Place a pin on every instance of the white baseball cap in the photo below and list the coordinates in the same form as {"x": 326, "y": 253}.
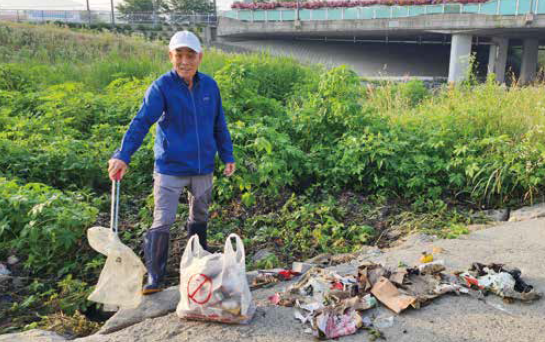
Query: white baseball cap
{"x": 185, "y": 39}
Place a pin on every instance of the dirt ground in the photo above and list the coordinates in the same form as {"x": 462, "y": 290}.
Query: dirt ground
{"x": 449, "y": 318}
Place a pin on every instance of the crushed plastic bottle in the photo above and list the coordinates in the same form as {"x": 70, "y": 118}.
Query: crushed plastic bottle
{"x": 382, "y": 322}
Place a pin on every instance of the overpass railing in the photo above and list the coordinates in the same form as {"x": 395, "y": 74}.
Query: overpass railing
{"x": 105, "y": 17}
{"x": 494, "y": 7}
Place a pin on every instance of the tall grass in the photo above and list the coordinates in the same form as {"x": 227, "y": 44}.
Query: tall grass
{"x": 468, "y": 111}
{"x": 93, "y": 59}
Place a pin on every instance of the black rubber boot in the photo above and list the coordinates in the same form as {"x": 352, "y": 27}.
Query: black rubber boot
{"x": 156, "y": 254}
{"x": 199, "y": 229}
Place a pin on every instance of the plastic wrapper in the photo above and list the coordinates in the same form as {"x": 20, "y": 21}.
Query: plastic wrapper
{"x": 432, "y": 267}
{"x": 333, "y": 324}
{"x": 213, "y": 287}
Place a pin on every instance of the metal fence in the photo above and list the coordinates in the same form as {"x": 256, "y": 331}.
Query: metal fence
{"x": 105, "y": 17}
{"x": 494, "y": 7}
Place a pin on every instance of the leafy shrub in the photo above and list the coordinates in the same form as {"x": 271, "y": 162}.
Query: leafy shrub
{"x": 44, "y": 225}
{"x": 15, "y": 77}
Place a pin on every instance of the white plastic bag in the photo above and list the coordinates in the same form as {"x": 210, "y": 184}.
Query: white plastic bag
{"x": 120, "y": 282}
{"x": 213, "y": 287}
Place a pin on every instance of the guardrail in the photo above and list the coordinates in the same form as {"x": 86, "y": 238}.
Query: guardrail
{"x": 495, "y": 7}
{"x": 105, "y": 17}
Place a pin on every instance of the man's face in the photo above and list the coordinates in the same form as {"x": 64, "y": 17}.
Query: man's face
{"x": 185, "y": 61}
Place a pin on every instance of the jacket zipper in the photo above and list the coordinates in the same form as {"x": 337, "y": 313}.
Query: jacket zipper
{"x": 196, "y": 130}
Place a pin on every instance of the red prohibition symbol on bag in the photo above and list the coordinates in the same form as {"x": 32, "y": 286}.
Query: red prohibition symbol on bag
{"x": 199, "y": 288}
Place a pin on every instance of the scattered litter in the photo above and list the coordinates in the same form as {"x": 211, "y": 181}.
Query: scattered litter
{"x": 442, "y": 289}
{"x": 263, "y": 280}
{"x": 287, "y": 275}
{"x": 359, "y": 303}
{"x": 383, "y": 322}
{"x": 367, "y": 322}
{"x": 305, "y": 312}
{"x": 282, "y": 299}
{"x": 389, "y": 295}
{"x": 301, "y": 267}
{"x": 368, "y": 275}
{"x": 332, "y": 324}
{"x": 337, "y": 305}
{"x": 504, "y": 282}
{"x": 432, "y": 267}
{"x": 12, "y": 260}
{"x": 275, "y": 299}
{"x": 302, "y": 317}
{"x": 425, "y": 258}
{"x": 4, "y": 270}
{"x": 438, "y": 250}
{"x": 271, "y": 278}
{"x": 398, "y": 277}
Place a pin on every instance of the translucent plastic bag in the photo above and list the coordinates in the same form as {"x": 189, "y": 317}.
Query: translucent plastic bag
{"x": 213, "y": 287}
{"x": 120, "y": 282}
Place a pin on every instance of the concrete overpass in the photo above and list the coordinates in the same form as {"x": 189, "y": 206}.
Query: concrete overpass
{"x": 498, "y": 23}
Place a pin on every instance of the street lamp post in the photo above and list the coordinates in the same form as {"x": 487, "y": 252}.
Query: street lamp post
{"x": 154, "y": 4}
{"x": 113, "y": 13}
{"x": 88, "y": 13}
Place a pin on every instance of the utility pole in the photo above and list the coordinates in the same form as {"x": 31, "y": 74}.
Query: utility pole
{"x": 113, "y": 13}
{"x": 154, "y": 4}
{"x": 88, "y": 13}
{"x": 215, "y": 13}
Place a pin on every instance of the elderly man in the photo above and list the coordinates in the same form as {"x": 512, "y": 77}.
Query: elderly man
{"x": 191, "y": 128}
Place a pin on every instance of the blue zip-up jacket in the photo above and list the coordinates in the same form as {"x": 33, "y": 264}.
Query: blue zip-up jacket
{"x": 191, "y": 126}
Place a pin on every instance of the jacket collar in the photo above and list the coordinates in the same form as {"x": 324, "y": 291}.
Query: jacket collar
{"x": 196, "y": 78}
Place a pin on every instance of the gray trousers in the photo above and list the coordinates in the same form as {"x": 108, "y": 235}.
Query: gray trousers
{"x": 166, "y": 192}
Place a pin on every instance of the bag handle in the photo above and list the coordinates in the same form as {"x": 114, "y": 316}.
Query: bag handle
{"x": 239, "y": 253}
{"x": 193, "y": 248}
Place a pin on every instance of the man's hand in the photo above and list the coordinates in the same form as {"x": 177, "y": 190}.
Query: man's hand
{"x": 229, "y": 169}
{"x": 115, "y": 166}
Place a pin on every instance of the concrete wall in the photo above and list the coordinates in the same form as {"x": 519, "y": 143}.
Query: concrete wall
{"x": 479, "y": 25}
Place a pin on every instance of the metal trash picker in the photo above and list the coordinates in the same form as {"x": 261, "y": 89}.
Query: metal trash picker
{"x": 120, "y": 281}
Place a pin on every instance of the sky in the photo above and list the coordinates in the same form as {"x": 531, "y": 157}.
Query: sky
{"x": 76, "y": 4}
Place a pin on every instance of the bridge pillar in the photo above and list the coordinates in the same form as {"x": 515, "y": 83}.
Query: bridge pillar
{"x": 460, "y": 53}
{"x": 528, "y": 70}
{"x": 497, "y": 59}
{"x": 209, "y": 34}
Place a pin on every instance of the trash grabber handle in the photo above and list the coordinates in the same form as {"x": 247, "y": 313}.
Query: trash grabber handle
{"x": 114, "y": 213}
